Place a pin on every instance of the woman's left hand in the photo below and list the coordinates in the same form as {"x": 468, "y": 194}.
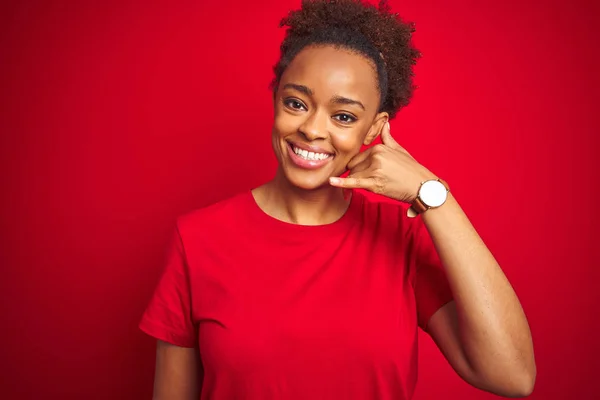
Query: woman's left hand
{"x": 386, "y": 169}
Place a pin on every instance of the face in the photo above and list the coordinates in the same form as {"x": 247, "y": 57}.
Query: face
{"x": 325, "y": 109}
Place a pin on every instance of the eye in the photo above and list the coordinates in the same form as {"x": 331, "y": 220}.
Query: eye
{"x": 294, "y": 104}
{"x": 345, "y": 118}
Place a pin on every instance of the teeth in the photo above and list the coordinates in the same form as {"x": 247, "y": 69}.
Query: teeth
{"x": 309, "y": 155}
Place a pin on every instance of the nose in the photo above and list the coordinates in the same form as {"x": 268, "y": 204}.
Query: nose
{"x": 314, "y": 126}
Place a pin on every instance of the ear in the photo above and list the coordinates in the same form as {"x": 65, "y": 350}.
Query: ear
{"x": 376, "y": 128}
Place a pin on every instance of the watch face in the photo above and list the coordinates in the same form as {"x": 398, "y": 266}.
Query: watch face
{"x": 433, "y": 193}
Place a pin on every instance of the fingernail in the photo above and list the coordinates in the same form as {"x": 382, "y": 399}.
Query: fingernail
{"x": 388, "y": 126}
{"x": 334, "y": 180}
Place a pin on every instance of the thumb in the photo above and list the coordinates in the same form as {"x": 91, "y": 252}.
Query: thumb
{"x": 386, "y": 137}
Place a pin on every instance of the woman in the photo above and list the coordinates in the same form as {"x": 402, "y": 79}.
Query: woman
{"x": 304, "y": 288}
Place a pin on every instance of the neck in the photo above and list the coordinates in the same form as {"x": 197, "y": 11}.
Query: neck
{"x": 286, "y": 202}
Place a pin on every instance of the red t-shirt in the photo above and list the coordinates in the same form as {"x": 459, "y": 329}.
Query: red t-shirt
{"x": 285, "y": 311}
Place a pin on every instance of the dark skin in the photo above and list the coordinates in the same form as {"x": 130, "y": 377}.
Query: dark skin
{"x": 328, "y": 98}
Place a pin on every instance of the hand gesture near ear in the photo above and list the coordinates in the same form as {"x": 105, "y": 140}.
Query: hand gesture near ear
{"x": 386, "y": 169}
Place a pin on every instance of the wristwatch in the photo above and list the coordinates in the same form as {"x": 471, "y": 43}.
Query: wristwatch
{"x": 432, "y": 193}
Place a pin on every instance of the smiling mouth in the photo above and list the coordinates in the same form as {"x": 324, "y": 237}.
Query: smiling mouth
{"x": 309, "y": 155}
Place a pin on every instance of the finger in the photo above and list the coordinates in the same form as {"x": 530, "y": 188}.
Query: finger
{"x": 359, "y": 158}
{"x": 352, "y": 182}
{"x": 388, "y": 140}
{"x": 386, "y": 137}
{"x": 360, "y": 167}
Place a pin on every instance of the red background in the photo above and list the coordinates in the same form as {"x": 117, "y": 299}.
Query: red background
{"x": 118, "y": 116}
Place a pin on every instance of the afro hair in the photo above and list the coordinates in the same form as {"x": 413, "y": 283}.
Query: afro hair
{"x": 372, "y": 31}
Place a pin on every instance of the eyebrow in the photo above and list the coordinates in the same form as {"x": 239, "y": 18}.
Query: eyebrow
{"x": 300, "y": 88}
{"x": 334, "y": 100}
{"x": 347, "y": 101}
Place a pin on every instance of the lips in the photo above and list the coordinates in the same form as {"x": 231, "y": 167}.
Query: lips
{"x": 302, "y": 157}
{"x": 309, "y": 148}
{"x": 309, "y": 155}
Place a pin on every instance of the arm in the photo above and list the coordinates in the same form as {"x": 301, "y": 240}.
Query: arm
{"x": 176, "y": 375}
{"x": 484, "y": 333}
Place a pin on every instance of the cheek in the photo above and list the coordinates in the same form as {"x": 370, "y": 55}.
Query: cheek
{"x": 284, "y": 124}
{"x": 349, "y": 141}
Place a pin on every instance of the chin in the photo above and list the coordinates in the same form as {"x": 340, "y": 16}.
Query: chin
{"x": 314, "y": 182}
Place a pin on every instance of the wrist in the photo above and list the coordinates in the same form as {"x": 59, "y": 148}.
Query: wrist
{"x": 441, "y": 214}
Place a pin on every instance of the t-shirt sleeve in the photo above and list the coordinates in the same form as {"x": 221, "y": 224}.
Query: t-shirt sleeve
{"x": 431, "y": 287}
{"x": 168, "y": 316}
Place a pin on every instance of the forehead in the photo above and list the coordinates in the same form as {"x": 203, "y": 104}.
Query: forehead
{"x": 330, "y": 71}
